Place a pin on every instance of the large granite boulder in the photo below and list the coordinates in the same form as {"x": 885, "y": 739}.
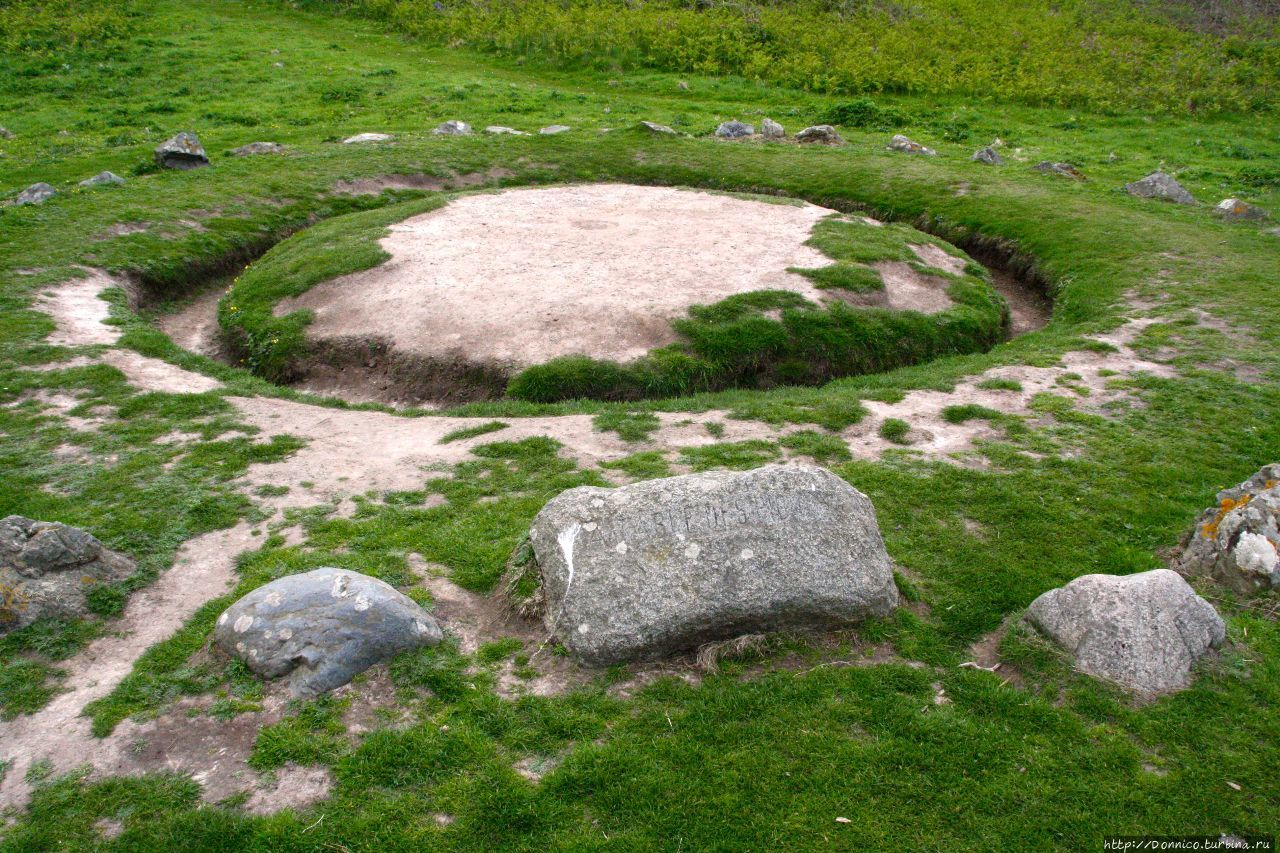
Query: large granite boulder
{"x": 734, "y": 130}
{"x": 1237, "y": 542}
{"x": 322, "y": 628}
{"x": 1160, "y": 185}
{"x": 182, "y": 151}
{"x": 819, "y": 134}
{"x": 37, "y": 193}
{"x": 48, "y": 569}
{"x": 1144, "y": 632}
{"x": 644, "y": 570}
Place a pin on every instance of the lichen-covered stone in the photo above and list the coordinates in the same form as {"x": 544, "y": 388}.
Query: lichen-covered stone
{"x": 820, "y": 134}
{"x": 361, "y": 138}
{"x": 102, "y": 179}
{"x": 182, "y": 151}
{"x": 37, "y": 193}
{"x": 554, "y": 129}
{"x": 500, "y": 130}
{"x": 987, "y": 156}
{"x": 1143, "y": 632}
{"x": 256, "y": 148}
{"x": 1160, "y": 185}
{"x": 47, "y": 569}
{"x": 909, "y": 146}
{"x": 1233, "y": 209}
{"x": 1065, "y": 170}
{"x": 660, "y": 566}
{"x": 734, "y": 130}
{"x": 658, "y": 129}
{"x": 452, "y": 128}
{"x": 770, "y": 129}
{"x": 322, "y": 628}
{"x": 1237, "y": 542}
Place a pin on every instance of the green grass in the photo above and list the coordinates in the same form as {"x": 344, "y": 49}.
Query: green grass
{"x": 472, "y": 432}
{"x": 894, "y": 430}
{"x": 772, "y": 749}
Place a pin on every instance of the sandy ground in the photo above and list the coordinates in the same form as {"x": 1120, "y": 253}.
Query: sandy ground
{"x": 349, "y": 453}
{"x": 519, "y": 277}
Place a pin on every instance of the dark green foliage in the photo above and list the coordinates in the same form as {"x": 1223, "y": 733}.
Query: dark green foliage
{"x": 866, "y": 114}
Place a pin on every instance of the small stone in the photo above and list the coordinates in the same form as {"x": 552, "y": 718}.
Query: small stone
{"x": 36, "y": 194}
{"x": 1066, "y": 170}
{"x": 1234, "y": 210}
{"x": 102, "y": 179}
{"x": 770, "y": 129}
{"x": 361, "y": 138}
{"x": 1144, "y": 632}
{"x": 656, "y": 128}
{"x": 1237, "y": 541}
{"x": 498, "y": 130}
{"x": 734, "y": 130}
{"x": 1162, "y": 186}
{"x": 553, "y": 129}
{"x": 322, "y": 628}
{"x": 683, "y": 86}
{"x": 452, "y": 127}
{"x": 182, "y": 151}
{"x": 820, "y": 134}
{"x": 908, "y": 146}
{"x": 254, "y": 148}
{"x": 988, "y": 156}
{"x": 6, "y": 133}
{"x": 47, "y": 570}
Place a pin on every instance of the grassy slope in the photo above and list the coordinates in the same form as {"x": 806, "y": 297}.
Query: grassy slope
{"x": 708, "y": 768}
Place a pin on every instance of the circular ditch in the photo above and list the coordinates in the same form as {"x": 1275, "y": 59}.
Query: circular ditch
{"x": 606, "y": 290}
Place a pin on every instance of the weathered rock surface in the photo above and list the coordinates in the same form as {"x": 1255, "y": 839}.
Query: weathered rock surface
{"x": 553, "y": 129}
{"x": 1237, "y": 542}
{"x": 36, "y": 194}
{"x": 821, "y": 134}
{"x": 770, "y": 129}
{"x": 1233, "y": 209}
{"x": 183, "y": 151}
{"x": 1065, "y": 170}
{"x": 322, "y": 628}
{"x": 254, "y": 148}
{"x": 360, "y": 138}
{"x": 1160, "y": 185}
{"x": 1144, "y": 632}
{"x": 654, "y": 127}
{"x": 47, "y": 569}
{"x": 102, "y": 179}
{"x": 499, "y": 130}
{"x": 657, "y": 567}
{"x": 6, "y": 133}
{"x": 452, "y": 127}
{"x": 734, "y": 130}
{"x": 909, "y": 146}
{"x": 988, "y": 156}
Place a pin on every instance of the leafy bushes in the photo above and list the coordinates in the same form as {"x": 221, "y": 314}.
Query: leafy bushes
{"x": 1100, "y": 54}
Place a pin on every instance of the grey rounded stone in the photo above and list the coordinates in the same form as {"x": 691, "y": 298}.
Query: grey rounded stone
{"x": 452, "y": 128}
{"x": 1065, "y": 170}
{"x": 1143, "y": 632}
{"x": 362, "y": 138}
{"x": 6, "y": 133}
{"x": 499, "y": 130}
{"x": 822, "y": 134}
{"x": 47, "y": 569}
{"x": 655, "y": 128}
{"x": 322, "y": 628}
{"x": 255, "y": 148}
{"x": 908, "y": 146}
{"x": 183, "y": 151}
{"x": 36, "y": 194}
{"x": 102, "y": 179}
{"x": 1233, "y": 209}
{"x": 657, "y": 567}
{"x": 1237, "y": 542}
{"x": 1162, "y": 186}
{"x": 734, "y": 130}
{"x": 987, "y": 156}
{"x": 553, "y": 129}
{"x": 770, "y": 129}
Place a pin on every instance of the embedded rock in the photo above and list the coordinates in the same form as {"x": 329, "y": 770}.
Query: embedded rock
{"x": 909, "y": 146}
{"x": 1065, "y": 170}
{"x": 1160, "y": 185}
{"x": 498, "y": 130}
{"x": 734, "y": 130}
{"x": 655, "y": 128}
{"x": 660, "y": 566}
{"x": 452, "y": 128}
{"x": 1237, "y": 542}
{"x": 183, "y": 151}
{"x": 47, "y": 569}
{"x": 254, "y": 148}
{"x": 322, "y": 628}
{"x": 102, "y": 179}
{"x": 822, "y": 134}
{"x": 988, "y": 156}
{"x": 36, "y": 194}
{"x": 1144, "y": 632}
{"x": 553, "y": 129}
{"x": 770, "y": 129}
{"x": 6, "y": 133}
{"x": 1233, "y": 209}
{"x": 360, "y": 138}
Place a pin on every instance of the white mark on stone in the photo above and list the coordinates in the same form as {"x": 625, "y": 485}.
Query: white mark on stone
{"x": 589, "y": 526}
{"x": 746, "y": 554}
{"x": 692, "y": 551}
{"x": 1255, "y": 553}
{"x": 240, "y": 648}
{"x": 362, "y": 603}
{"x": 222, "y": 620}
{"x": 285, "y": 633}
{"x": 273, "y": 599}
{"x": 621, "y": 547}
{"x": 597, "y": 503}
{"x": 244, "y": 623}
{"x": 584, "y": 628}
{"x": 339, "y": 586}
